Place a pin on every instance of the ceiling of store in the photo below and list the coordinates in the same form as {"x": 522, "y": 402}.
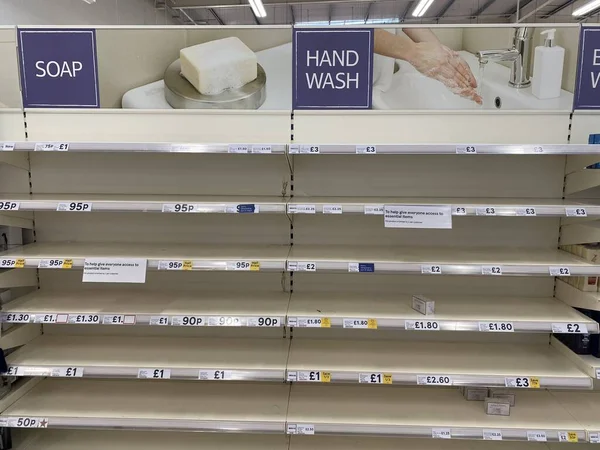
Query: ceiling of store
{"x": 348, "y": 12}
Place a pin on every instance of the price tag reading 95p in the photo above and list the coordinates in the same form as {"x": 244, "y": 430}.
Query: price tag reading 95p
{"x": 176, "y": 265}
{"x": 55, "y": 264}
{"x": 252, "y": 266}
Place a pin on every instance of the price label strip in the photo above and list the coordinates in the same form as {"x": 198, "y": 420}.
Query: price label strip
{"x": 159, "y": 320}
{"x": 537, "y": 436}
{"x": 431, "y": 269}
{"x": 118, "y": 319}
{"x": 300, "y": 266}
{"x": 594, "y": 437}
{"x": 568, "y": 436}
{"x": 188, "y": 321}
{"x": 51, "y": 318}
{"x": 8, "y": 205}
{"x": 312, "y": 376}
{"x": 51, "y": 147}
{"x": 55, "y": 264}
{"x": 75, "y": 207}
{"x": 7, "y": 146}
{"x": 522, "y": 382}
{"x": 251, "y": 266}
{"x": 526, "y": 212}
{"x": 496, "y": 327}
{"x": 176, "y": 265}
{"x": 434, "y": 380}
{"x": 215, "y": 375}
{"x": 575, "y": 212}
{"x": 311, "y": 149}
{"x": 370, "y": 324}
{"x": 154, "y": 374}
{"x": 375, "y": 378}
{"x": 300, "y": 428}
{"x": 492, "y": 435}
{"x": 224, "y": 321}
{"x": 441, "y": 433}
{"x": 18, "y": 317}
{"x": 67, "y": 372}
{"x": 84, "y": 319}
{"x": 485, "y": 211}
{"x": 559, "y": 271}
{"x": 24, "y": 422}
{"x": 466, "y": 149}
{"x": 421, "y": 325}
{"x": 309, "y": 322}
{"x": 9, "y": 263}
{"x": 491, "y": 270}
{"x": 571, "y": 328}
{"x": 366, "y": 149}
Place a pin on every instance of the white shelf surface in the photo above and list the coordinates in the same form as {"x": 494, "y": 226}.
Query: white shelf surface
{"x": 144, "y": 307}
{"x": 439, "y": 261}
{"x": 153, "y": 405}
{"x": 415, "y": 412}
{"x": 574, "y": 297}
{"x": 520, "y": 207}
{"x": 442, "y": 149}
{"x": 147, "y": 203}
{"x": 423, "y": 363}
{"x": 584, "y": 408}
{"x": 149, "y": 147}
{"x": 270, "y": 257}
{"x": 123, "y": 357}
{"x": 452, "y": 313}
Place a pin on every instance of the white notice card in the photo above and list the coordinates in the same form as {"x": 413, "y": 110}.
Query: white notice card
{"x": 417, "y": 216}
{"x": 114, "y": 270}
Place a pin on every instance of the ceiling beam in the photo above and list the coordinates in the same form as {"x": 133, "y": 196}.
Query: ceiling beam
{"x": 406, "y": 11}
{"x": 329, "y": 13}
{"x": 558, "y": 9}
{"x": 445, "y": 9}
{"x": 188, "y": 17}
{"x": 483, "y": 7}
{"x": 518, "y": 7}
{"x": 535, "y": 10}
{"x": 368, "y": 13}
{"x": 216, "y": 16}
{"x": 292, "y": 14}
{"x": 256, "y": 21}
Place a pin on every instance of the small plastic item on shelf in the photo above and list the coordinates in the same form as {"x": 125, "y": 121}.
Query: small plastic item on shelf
{"x": 578, "y": 343}
{"x": 504, "y": 394}
{"x": 476, "y": 394}
{"x": 497, "y": 406}
{"x": 594, "y": 339}
{"x": 423, "y": 304}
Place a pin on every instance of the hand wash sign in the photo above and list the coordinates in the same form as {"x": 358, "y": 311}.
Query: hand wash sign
{"x": 333, "y": 68}
{"x": 587, "y": 92}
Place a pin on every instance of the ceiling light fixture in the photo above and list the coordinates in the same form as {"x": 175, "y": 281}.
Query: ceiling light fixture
{"x": 588, "y": 7}
{"x": 421, "y": 8}
{"x": 258, "y": 8}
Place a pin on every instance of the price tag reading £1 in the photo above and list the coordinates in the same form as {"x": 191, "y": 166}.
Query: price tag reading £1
{"x": 51, "y": 147}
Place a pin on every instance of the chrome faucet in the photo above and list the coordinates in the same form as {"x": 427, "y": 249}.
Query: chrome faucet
{"x": 518, "y": 54}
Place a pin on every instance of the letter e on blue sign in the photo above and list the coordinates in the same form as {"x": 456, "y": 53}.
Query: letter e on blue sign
{"x": 587, "y": 92}
{"x": 59, "y": 68}
{"x": 332, "y": 68}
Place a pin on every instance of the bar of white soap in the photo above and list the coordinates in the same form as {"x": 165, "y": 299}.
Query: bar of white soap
{"x": 218, "y": 65}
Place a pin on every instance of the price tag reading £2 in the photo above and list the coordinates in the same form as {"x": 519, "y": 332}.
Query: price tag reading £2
{"x": 301, "y": 266}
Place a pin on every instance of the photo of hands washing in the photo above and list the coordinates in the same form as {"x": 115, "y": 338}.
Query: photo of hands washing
{"x": 414, "y": 68}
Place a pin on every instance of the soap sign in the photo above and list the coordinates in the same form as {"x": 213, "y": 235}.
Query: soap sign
{"x": 587, "y": 94}
{"x": 58, "y": 68}
{"x": 333, "y": 68}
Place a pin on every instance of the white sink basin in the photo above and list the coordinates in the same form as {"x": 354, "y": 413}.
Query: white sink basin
{"x": 411, "y": 90}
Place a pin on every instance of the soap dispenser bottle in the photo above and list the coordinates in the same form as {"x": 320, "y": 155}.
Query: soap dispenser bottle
{"x": 547, "y": 68}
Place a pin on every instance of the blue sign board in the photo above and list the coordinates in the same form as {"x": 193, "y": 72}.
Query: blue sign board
{"x": 59, "y": 68}
{"x": 332, "y": 68}
{"x": 587, "y": 90}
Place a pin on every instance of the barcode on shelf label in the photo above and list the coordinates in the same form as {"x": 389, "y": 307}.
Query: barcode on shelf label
{"x": 55, "y": 264}
{"x": 537, "y": 436}
{"x": 18, "y": 317}
{"x": 560, "y": 271}
{"x": 224, "y": 321}
{"x": 311, "y": 322}
{"x": 238, "y": 148}
{"x": 262, "y": 148}
{"x": 155, "y": 374}
{"x": 370, "y": 324}
{"x": 431, "y": 269}
{"x": 7, "y": 146}
{"x": 188, "y": 321}
{"x": 25, "y": 422}
{"x": 492, "y": 435}
{"x": 374, "y": 210}
{"x": 69, "y": 372}
{"x": 50, "y": 318}
{"x": 366, "y": 149}
{"x": 10, "y": 263}
{"x": 361, "y": 267}
{"x": 159, "y": 320}
{"x": 214, "y": 374}
{"x": 306, "y": 149}
{"x": 176, "y": 265}
{"x": 51, "y": 147}
{"x": 333, "y": 209}
{"x": 496, "y": 327}
{"x": 466, "y": 149}
{"x": 434, "y": 380}
{"x": 594, "y": 437}
{"x": 301, "y": 266}
{"x": 441, "y": 433}
{"x": 75, "y": 206}
{"x": 264, "y": 321}
{"x": 486, "y": 211}
{"x": 8, "y": 205}
{"x": 295, "y": 208}
{"x": 313, "y": 376}
{"x": 300, "y": 428}
{"x": 568, "y": 436}
{"x": 522, "y": 382}
{"x": 252, "y": 266}
{"x": 572, "y": 328}
{"x": 526, "y": 212}
{"x": 421, "y": 325}
{"x": 491, "y": 270}
{"x": 118, "y": 319}
{"x": 575, "y": 212}
{"x": 375, "y": 378}
{"x": 180, "y": 208}
{"x": 84, "y": 318}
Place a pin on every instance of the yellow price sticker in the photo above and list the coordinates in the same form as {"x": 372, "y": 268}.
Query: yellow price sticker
{"x": 188, "y": 265}
{"x": 387, "y": 378}
{"x": 534, "y": 383}
{"x": 325, "y": 322}
{"x": 20, "y": 263}
{"x": 67, "y": 264}
{"x": 325, "y": 377}
{"x": 572, "y": 437}
{"x": 255, "y": 266}
{"x": 372, "y": 324}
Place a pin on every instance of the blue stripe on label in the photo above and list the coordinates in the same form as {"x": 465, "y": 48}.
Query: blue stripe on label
{"x": 246, "y": 209}
{"x": 366, "y": 267}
